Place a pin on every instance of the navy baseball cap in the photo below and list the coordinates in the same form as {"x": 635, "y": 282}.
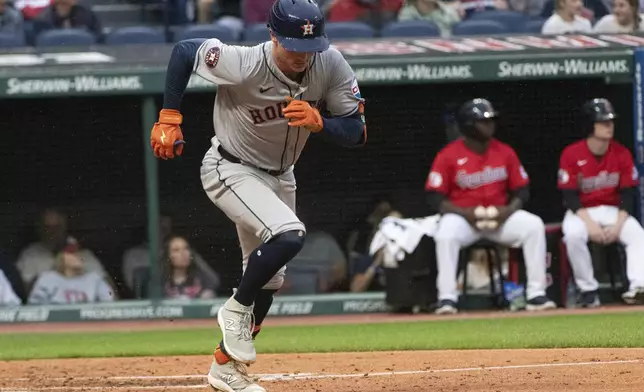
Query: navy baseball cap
{"x": 298, "y": 25}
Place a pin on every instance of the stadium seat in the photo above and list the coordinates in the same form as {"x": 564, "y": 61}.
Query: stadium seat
{"x": 412, "y": 28}
{"x": 65, "y": 37}
{"x": 479, "y": 27}
{"x": 135, "y": 35}
{"x": 347, "y": 30}
{"x": 256, "y": 33}
{"x": 11, "y": 40}
{"x": 206, "y": 31}
{"x": 533, "y": 26}
{"x": 514, "y": 21}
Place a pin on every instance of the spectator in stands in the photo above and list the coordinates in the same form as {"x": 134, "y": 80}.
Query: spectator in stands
{"x": 69, "y": 282}
{"x": 7, "y": 296}
{"x": 376, "y": 13}
{"x": 226, "y": 13}
{"x": 366, "y": 272}
{"x": 567, "y": 19}
{"x": 469, "y": 7}
{"x": 182, "y": 278}
{"x": 437, "y": 12}
{"x": 531, "y": 8}
{"x": 68, "y": 14}
{"x": 590, "y": 9}
{"x": 625, "y": 18}
{"x": 40, "y": 256}
{"x": 30, "y": 9}
{"x": 322, "y": 261}
{"x": 256, "y": 11}
{"x": 137, "y": 258}
{"x": 11, "y": 21}
{"x": 11, "y": 274}
{"x": 359, "y": 238}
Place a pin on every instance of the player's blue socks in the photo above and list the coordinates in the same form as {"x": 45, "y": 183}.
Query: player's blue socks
{"x": 264, "y": 263}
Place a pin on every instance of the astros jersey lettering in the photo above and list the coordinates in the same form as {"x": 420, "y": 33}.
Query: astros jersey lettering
{"x": 598, "y": 180}
{"x": 252, "y": 92}
{"x": 470, "y": 179}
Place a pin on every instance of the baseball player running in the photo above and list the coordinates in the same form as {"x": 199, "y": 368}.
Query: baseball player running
{"x": 479, "y": 186}
{"x": 265, "y": 109}
{"x": 598, "y": 179}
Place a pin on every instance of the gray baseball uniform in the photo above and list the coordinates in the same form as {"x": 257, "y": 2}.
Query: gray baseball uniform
{"x": 250, "y": 126}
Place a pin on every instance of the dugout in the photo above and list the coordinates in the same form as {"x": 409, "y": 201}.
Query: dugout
{"x": 87, "y": 161}
{"x": 86, "y": 153}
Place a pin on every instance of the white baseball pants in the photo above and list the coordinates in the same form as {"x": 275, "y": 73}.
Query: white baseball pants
{"x": 576, "y": 238}
{"x": 520, "y": 229}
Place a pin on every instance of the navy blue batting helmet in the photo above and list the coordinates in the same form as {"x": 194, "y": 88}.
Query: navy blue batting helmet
{"x": 298, "y": 25}
{"x": 598, "y": 109}
{"x": 476, "y": 109}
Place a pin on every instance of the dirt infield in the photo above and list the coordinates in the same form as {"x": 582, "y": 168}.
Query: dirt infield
{"x": 579, "y": 370}
{"x": 586, "y": 370}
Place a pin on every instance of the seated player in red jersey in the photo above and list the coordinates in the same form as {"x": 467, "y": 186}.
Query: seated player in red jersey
{"x": 479, "y": 171}
{"x": 598, "y": 178}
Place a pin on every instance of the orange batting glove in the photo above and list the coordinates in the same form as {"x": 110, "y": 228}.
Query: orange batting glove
{"x": 167, "y": 139}
{"x": 301, "y": 114}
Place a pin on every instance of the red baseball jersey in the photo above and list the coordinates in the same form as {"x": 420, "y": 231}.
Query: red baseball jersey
{"x": 469, "y": 179}
{"x": 597, "y": 179}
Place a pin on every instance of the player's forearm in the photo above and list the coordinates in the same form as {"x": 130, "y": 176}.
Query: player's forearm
{"x": 346, "y": 131}
{"x": 179, "y": 70}
{"x": 361, "y": 282}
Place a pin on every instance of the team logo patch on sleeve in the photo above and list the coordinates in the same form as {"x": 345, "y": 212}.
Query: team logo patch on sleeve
{"x": 563, "y": 176}
{"x": 212, "y": 56}
{"x": 435, "y": 180}
{"x": 355, "y": 90}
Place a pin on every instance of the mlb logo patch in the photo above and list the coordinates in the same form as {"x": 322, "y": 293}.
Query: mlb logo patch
{"x": 355, "y": 90}
{"x": 212, "y": 56}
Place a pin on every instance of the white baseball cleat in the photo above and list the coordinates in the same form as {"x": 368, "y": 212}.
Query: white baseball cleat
{"x": 634, "y": 296}
{"x": 236, "y": 323}
{"x": 232, "y": 377}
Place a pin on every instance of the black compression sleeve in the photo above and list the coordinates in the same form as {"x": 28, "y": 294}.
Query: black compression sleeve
{"x": 571, "y": 199}
{"x": 626, "y": 200}
{"x": 179, "y": 70}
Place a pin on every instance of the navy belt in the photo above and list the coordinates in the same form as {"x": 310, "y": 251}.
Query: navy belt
{"x": 231, "y": 158}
